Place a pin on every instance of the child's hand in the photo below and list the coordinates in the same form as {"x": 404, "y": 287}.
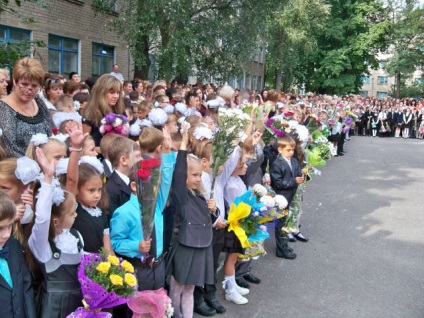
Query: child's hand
{"x": 77, "y": 136}
{"x": 212, "y": 205}
{"x": 299, "y": 180}
{"x": 304, "y": 172}
{"x": 144, "y": 246}
{"x": 20, "y": 211}
{"x": 184, "y": 140}
{"x": 256, "y": 137}
{"x": 167, "y": 141}
{"x": 220, "y": 224}
{"x": 46, "y": 166}
{"x": 28, "y": 198}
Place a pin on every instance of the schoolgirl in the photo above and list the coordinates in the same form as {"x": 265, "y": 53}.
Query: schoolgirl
{"x": 91, "y": 221}
{"x": 190, "y": 262}
{"x": 406, "y": 123}
{"x": 56, "y": 248}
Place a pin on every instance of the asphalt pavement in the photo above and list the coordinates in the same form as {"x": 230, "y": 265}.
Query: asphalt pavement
{"x": 365, "y": 254}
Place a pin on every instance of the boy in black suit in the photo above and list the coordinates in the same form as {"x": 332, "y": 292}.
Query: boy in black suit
{"x": 123, "y": 154}
{"x": 286, "y": 175}
{"x": 104, "y": 149}
{"x": 16, "y": 293}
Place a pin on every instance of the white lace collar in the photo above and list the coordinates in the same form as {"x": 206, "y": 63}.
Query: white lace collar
{"x": 66, "y": 242}
{"x": 94, "y": 212}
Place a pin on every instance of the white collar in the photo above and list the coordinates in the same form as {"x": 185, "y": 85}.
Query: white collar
{"x": 123, "y": 177}
{"x": 94, "y": 212}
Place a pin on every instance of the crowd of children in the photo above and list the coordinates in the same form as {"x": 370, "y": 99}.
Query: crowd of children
{"x": 72, "y": 189}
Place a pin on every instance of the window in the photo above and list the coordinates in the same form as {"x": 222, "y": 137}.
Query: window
{"x": 259, "y": 83}
{"x": 13, "y": 35}
{"x": 363, "y": 93}
{"x": 233, "y": 81}
{"x": 419, "y": 80}
{"x": 248, "y": 82}
{"x": 241, "y": 82}
{"x": 63, "y": 55}
{"x": 254, "y": 77}
{"x": 366, "y": 79}
{"x": 382, "y": 80}
{"x": 102, "y": 59}
{"x": 381, "y": 95}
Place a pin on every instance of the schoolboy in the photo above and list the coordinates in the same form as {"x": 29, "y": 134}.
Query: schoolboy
{"x": 16, "y": 293}
{"x": 104, "y": 149}
{"x": 123, "y": 154}
{"x": 286, "y": 175}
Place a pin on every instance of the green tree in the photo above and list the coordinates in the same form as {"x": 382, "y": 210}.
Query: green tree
{"x": 292, "y": 32}
{"x": 354, "y": 33}
{"x": 188, "y": 37}
{"x": 406, "y": 41}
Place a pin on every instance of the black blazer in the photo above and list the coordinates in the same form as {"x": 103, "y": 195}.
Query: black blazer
{"x": 193, "y": 218}
{"x": 19, "y": 302}
{"x": 283, "y": 178}
{"x": 119, "y": 192}
{"x": 107, "y": 171}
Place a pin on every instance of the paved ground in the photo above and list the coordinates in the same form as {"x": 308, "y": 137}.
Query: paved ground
{"x": 365, "y": 256}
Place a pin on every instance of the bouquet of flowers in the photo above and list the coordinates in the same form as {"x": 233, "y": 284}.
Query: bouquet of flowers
{"x": 351, "y": 115}
{"x": 273, "y": 128}
{"x": 247, "y": 108}
{"x": 323, "y": 146}
{"x": 222, "y": 147}
{"x": 115, "y": 124}
{"x": 148, "y": 182}
{"x": 314, "y": 124}
{"x": 421, "y": 129}
{"x": 389, "y": 130}
{"x": 106, "y": 281}
{"x": 233, "y": 119}
{"x": 151, "y": 304}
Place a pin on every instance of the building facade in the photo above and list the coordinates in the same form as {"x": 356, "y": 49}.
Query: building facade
{"x": 379, "y": 84}
{"x": 77, "y": 39}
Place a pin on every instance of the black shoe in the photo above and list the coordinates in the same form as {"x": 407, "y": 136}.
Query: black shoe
{"x": 340, "y": 154}
{"x": 283, "y": 250}
{"x": 242, "y": 283}
{"x": 204, "y": 310}
{"x": 300, "y": 237}
{"x": 214, "y": 303}
{"x": 252, "y": 278}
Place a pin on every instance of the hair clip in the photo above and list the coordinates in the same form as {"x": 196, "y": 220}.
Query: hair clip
{"x": 202, "y": 133}
{"x": 61, "y": 137}
{"x": 59, "y": 117}
{"x": 92, "y": 161}
{"x": 58, "y": 194}
{"x": 135, "y": 129}
{"x": 62, "y": 166}
{"x": 158, "y": 117}
{"x": 77, "y": 105}
{"x": 27, "y": 170}
{"x": 39, "y": 139}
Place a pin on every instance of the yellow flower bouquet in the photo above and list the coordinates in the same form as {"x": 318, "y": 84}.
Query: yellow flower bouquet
{"x": 106, "y": 281}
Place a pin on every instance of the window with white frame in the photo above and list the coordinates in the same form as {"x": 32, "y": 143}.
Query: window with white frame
{"x": 381, "y": 95}
{"x": 366, "y": 79}
{"x": 382, "y": 80}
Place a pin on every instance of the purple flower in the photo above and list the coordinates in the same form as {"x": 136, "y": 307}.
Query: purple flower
{"x": 110, "y": 118}
{"x": 348, "y": 121}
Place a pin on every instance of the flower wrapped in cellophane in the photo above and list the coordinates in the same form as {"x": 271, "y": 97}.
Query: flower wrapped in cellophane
{"x": 222, "y": 147}
{"x": 148, "y": 178}
{"x": 233, "y": 120}
{"x": 250, "y": 211}
{"x": 106, "y": 282}
{"x": 151, "y": 304}
{"x": 274, "y": 128}
{"x": 114, "y": 124}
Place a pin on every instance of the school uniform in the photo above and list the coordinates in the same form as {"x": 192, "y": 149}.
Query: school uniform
{"x": 16, "y": 293}
{"x": 107, "y": 167}
{"x": 118, "y": 189}
{"x": 191, "y": 259}
{"x": 283, "y": 173}
{"x": 60, "y": 292}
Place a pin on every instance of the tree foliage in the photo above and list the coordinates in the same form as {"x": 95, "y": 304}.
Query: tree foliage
{"x": 406, "y": 42}
{"x": 188, "y": 37}
{"x": 354, "y": 33}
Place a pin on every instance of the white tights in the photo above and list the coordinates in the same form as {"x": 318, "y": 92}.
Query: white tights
{"x": 182, "y": 299}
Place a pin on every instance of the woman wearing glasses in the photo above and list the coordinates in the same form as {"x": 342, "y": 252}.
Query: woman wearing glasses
{"x": 22, "y": 112}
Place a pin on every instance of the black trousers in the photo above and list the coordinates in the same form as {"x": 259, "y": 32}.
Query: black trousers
{"x": 202, "y": 292}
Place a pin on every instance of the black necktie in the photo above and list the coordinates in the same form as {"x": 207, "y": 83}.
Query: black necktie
{"x": 4, "y": 253}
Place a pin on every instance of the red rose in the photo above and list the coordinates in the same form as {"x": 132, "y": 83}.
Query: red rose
{"x": 143, "y": 174}
{"x": 55, "y": 131}
{"x": 288, "y": 114}
{"x": 150, "y": 164}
